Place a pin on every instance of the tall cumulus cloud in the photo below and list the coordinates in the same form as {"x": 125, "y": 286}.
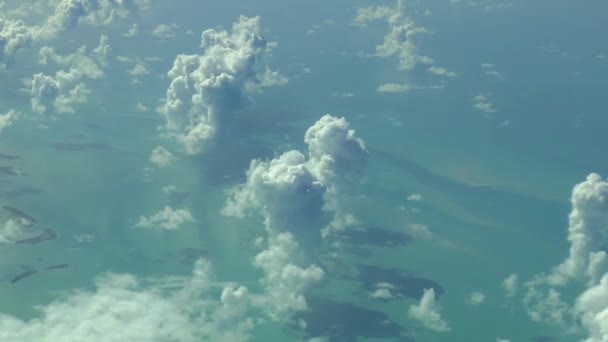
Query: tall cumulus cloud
{"x": 207, "y": 89}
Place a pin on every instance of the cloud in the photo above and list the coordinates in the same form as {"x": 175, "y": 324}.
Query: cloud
{"x": 510, "y": 285}
{"x": 476, "y": 298}
{"x": 394, "y": 88}
{"x": 139, "y": 69}
{"x": 427, "y": 312}
{"x": 122, "y": 307}
{"x": 61, "y": 92}
{"x": 287, "y": 194}
{"x": 207, "y": 89}
{"x": 592, "y": 309}
{"x": 70, "y": 13}
{"x": 161, "y": 157}
{"x": 545, "y": 306}
{"x": 382, "y": 291}
{"x": 8, "y": 118}
{"x": 420, "y": 231}
{"x": 335, "y": 153}
{"x": 169, "y": 189}
{"x": 140, "y": 107}
{"x": 342, "y": 94}
{"x": 399, "y": 40}
{"x": 415, "y": 197}
{"x": 165, "y": 31}
{"x": 167, "y": 218}
{"x": 587, "y": 233}
{"x": 371, "y": 13}
{"x": 296, "y": 193}
{"x": 404, "y": 87}
{"x": 284, "y": 282}
{"x": 441, "y": 71}
{"x": 489, "y": 69}
{"x": 586, "y": 262}
{"x": 133, "y": 31}
{"x": 14, "y": 36}
{"x": 482, "y": 103}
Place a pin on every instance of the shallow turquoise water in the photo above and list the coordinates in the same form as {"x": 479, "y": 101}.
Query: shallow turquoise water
{"x": 495, "y": 196}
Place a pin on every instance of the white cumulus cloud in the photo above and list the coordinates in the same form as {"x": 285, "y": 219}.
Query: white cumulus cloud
{"x": 168, "y": 218}
{"x": 161, "y": 157}
{"x": 206, "y": 89}
{"x": 427, "y": 312}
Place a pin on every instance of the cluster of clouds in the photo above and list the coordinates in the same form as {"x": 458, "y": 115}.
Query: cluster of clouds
{"x": 399, "y": 42}
{"x": 59, "y": 93}
{"x": 296, "y": 193}
{"x": 66, "y": 15}
{"x": 125, "y": 308}
{"x": 482, "y": 103}
{"x": 207, "y": 89}
{"x": 586, "y": 264}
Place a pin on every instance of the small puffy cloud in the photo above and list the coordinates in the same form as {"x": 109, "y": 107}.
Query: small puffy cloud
{"x": 167, "y": 218}
{"x": 382, "y": 291}
{"x": 482, "y": 102}
{"x": 165, "y": 31}
{"x": 494, "y": 73}
{"x": 169, "y": 189}
{"x": 427, "y": 312}
{"x": 441, "y": 71}
{"x": 207, "y": 89}
{"x": 140, "y": 107}
{"x": 511, "y": 285}
{"x": 133, "y": 31}
{"x": 414, "y": 197}
{"x": 161, "y": 157}
{"x": 420, "y": 231}
{"x": 139, "y": 69}
{"x": 476, "y": 298}
{"x": 591, "y": 308}
{"x": 8, "y": 119}
{"x": 394, "y": 88}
